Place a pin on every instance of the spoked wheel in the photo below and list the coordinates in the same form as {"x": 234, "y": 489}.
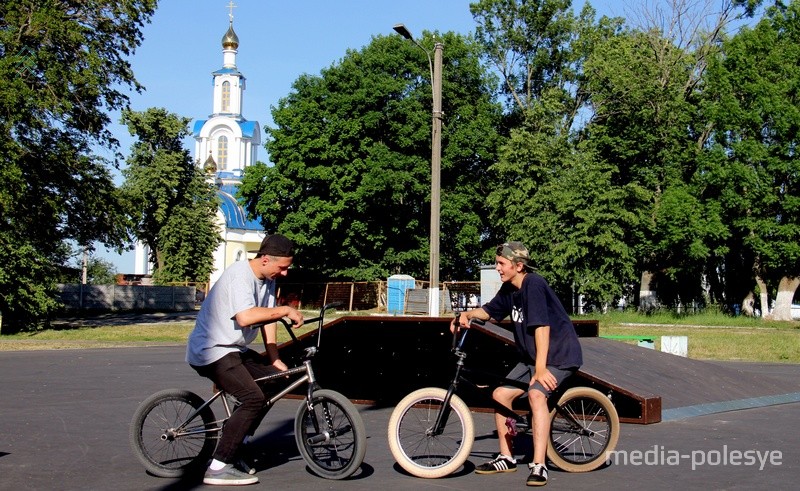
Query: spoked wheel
{"x": 414, "y": 445}
{"x": 584, "y": 430}
{"x": 165, "y": 440}
{"x": 330, "y": 436}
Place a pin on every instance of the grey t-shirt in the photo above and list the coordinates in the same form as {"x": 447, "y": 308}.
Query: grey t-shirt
{"x": 216, "y": 333}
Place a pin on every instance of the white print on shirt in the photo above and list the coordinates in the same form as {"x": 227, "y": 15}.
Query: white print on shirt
{"x": 516, "y": 314}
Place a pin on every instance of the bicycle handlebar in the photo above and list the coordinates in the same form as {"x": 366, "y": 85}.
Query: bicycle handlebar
{"x": 458, "y": 343}
{"x": 320, "y": 318}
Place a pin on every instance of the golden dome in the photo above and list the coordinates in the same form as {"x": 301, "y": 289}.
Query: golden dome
{"x": 230, "y": 40}
{"x": 210, "y": 166}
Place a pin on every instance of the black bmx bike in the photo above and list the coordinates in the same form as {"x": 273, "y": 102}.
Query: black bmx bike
{"x": 175, "y": 430}
{"x": 431, "y": 430}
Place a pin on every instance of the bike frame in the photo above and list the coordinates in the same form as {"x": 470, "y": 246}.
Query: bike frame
{"x": 461, "y": 370}
{"x": 305, "y": 371}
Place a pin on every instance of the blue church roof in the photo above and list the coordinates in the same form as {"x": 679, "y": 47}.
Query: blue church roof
{"x": 248, "y": 128}
{"x": 234, "y": 213}
{"x": 198, "y": 125}
{"x": 227, "y": 71}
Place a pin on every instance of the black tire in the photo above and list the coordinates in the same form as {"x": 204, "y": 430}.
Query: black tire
{"x": 417, "y": 451}
{"x": 164, "y": 451}
{"x": 584, "y": 430}
{"x": 331, "y": 436}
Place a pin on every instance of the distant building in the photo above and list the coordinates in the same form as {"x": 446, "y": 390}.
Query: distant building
{"x": 225, "y": 144}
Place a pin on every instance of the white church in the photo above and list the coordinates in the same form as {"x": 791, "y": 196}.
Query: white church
{"x": 225, "y": 144}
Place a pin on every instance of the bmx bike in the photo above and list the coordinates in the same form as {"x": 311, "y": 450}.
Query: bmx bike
{"x": 431, "y": 430}
{"x": 175, "y": 430}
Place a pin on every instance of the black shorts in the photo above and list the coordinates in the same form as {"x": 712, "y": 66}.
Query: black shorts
{"x": 523, "y": 372}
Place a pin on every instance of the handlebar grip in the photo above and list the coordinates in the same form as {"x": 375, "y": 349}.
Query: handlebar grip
{"x": 477, "y": 322}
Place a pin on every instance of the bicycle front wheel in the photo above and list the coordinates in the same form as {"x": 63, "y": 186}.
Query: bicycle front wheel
{"x": 415, "y": 445}
{"x": 330, "y": 435}
{"x": 584, "y": 430}
{"x": 166, "y": 440}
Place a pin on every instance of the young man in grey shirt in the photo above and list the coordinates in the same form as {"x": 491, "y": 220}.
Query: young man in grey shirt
{"x": 218, "y": 346}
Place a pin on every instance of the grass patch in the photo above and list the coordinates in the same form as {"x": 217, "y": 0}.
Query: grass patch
{"x": 712, "y": 336}
{"x": 722, "y": 343}
{"x": 700, "y": 319}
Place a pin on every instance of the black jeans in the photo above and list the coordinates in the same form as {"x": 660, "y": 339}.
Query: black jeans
{"x": 234, "y": 373}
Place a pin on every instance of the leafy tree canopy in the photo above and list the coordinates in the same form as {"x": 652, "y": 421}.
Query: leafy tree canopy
{"x": 752, "y": 168}
{"x": 351, "y": 152}
{"x": 171, "y": 204}
{"x": 63, "y": 66}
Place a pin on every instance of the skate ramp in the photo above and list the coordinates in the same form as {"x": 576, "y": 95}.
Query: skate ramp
{"x": 379, "y": 359}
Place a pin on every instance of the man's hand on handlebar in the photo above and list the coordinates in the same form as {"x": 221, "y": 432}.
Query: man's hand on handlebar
{"x": 460, "y": 321}
{"x": 464, "y": 320}
{"x": 296, "y": 317}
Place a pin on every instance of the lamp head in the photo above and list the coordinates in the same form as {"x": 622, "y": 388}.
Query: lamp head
{"x": 403, "y": 31}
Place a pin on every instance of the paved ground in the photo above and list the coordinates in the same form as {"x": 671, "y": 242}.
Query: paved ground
{"x": 65, "y": 417}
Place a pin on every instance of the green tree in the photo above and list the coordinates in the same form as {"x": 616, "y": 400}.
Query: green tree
{"x": 645, "y": 85}
{"x": 100, "y": 271}
{"x": 171, "y": 205}
{"x": 351, "y": 151}
{"x": 552, "y": 191}
{"x": 752, "y": 167}
{"x": 63, "y": 66}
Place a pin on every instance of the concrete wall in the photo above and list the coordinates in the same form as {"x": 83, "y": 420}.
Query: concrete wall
{"x": 128, "y": 297}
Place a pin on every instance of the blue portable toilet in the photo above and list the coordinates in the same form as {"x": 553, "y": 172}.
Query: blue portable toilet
{"x": 396, "y": 295}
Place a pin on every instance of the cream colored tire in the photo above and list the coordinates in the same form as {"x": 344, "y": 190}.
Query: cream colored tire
{"x": 415, "y": 449}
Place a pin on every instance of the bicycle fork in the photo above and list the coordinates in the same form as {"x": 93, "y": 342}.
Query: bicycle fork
{"x": 444, "y": 413}
{"x": 323, "y": 436}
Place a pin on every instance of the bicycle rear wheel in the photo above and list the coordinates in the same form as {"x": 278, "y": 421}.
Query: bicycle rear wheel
{"x": 584, "y": 430}
{"x": 165, "y": 440}
{"x": 330, "y": 436}
{"x": 412, "y": 442}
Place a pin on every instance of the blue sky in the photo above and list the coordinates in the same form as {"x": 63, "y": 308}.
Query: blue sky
{"x": 278, "y": 42}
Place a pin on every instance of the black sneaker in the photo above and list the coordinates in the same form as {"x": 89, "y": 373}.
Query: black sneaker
{"x": 538, "y": 475}
{"x": 228, "y": 476}
{"x": 501, "y": 463}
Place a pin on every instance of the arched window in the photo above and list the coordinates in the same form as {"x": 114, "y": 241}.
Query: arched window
{"x": 222, "y": 153}
{"x": 226, "y": 97}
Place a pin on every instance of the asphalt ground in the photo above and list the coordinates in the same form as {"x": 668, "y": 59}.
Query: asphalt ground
{"x": 65, "y": 416}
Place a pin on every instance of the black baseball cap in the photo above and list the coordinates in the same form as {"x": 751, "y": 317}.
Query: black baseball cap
{"x": 276, "y": 245}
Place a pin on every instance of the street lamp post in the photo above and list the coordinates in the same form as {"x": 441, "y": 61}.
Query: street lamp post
{"x": 435, "y": 66}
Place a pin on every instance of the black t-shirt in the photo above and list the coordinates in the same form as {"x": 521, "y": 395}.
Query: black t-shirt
{"x": 536, "y": 304}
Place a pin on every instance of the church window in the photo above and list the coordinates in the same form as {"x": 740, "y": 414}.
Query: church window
{"x": 222, "y": 152}
{"x": 226, "y": 97}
